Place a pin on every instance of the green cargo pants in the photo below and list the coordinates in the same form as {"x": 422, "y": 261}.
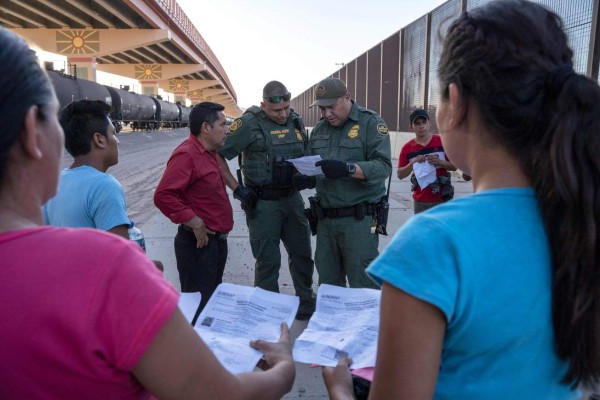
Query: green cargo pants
{"x": 283, "y": 220}
{"x": 345, "y": 248}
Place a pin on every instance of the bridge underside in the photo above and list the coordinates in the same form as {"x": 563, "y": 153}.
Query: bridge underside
{"x": 152, "y": 41}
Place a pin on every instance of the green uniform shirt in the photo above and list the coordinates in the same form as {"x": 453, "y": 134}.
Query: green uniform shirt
{"x": 364, "y": 140}
{"x": 260, "y": 141}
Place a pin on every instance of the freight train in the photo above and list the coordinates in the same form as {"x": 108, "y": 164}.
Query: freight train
{"x": 127, "y": 108}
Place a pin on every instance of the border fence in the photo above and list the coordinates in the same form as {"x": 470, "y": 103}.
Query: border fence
{"x": 400, "y": 73}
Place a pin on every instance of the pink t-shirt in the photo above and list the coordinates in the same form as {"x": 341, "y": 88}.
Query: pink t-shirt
{"x": 79, "y": 307}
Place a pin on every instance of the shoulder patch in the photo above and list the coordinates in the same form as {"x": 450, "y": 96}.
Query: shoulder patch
{"x": 382, "y": 129}
{"x": 235, "y": 125}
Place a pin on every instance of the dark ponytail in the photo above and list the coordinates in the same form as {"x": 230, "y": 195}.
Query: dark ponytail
{"x": 569, "y": 199}
{"x": 511, "y": 57}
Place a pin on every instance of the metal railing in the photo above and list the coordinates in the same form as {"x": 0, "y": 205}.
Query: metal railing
{"x": 172, "y": 9}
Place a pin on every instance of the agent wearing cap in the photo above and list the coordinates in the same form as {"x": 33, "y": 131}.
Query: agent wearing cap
{"x": 355, "y": 147}
{"x": 425, "y": 148}
{"x": 263, "y": 138}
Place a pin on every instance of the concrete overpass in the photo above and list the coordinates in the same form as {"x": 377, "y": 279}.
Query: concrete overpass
{"x": 152, "y": 41}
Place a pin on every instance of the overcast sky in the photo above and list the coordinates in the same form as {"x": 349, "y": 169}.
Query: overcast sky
{"x": 297, "y": 43}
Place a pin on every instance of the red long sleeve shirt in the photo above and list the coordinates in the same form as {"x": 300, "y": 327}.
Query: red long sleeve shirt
{"x": 192, "y": 185}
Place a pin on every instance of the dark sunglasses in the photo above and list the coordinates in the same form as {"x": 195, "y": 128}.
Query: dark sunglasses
{"x": 278, "y": 99}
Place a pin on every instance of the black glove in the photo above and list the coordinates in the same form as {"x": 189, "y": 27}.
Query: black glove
{"x": 246, "y": 196}
{"x": 301, "y": 181}
{"x": 333, "y": 168}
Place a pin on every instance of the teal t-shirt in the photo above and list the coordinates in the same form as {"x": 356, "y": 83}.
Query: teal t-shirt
{"x": 87, "y": 198}
{"x": 484, "y": 261}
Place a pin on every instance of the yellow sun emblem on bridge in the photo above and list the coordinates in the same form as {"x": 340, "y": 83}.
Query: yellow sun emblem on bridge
{"x": 148, "y": 71}
{"x": 195, "y": 94}
{"x": 78, "y": 42}
{"x": 179, "y": 85}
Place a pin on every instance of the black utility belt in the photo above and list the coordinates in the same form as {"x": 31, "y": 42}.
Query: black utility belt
{"x": 267, "y": 192}
{"x": 358, "y": 211}
{"x": 216, "y": 235}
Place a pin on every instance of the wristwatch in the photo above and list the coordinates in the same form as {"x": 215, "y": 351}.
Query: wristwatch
{"x": 351, "y": 169}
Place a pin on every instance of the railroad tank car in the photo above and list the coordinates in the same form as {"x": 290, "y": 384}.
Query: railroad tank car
{"x": 132, "y": 108}
{"x": 167, "y": 113}
{"x": 127, "y": 108}
{"x": 69, "y": 88}
{"x": 184, "y": 115}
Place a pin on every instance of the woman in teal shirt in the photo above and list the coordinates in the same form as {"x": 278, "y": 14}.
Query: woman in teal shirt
{"x": 497, "y": 295}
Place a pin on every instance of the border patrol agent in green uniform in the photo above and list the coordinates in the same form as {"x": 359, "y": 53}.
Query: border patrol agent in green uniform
{"x": 264, "y": 138}
{"x": 354, "y": 145}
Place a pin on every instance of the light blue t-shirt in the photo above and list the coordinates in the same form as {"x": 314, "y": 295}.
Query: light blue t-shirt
{"x": 484, "y": 261}
{"x": 87, "y": 198}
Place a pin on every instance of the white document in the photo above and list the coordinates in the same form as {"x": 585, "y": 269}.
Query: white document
{"x": 188, "y": 304}
{"x": 345, "y": 323}
{"x": 237, "y": 314}
{"x": 306, "y": 165}
{"x": 425, "y": 172}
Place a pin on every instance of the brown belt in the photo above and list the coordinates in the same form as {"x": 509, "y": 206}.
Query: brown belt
{"x": 216, "y": 235}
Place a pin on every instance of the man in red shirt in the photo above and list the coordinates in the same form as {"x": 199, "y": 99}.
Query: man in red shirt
{"x": 192, "y": 193}
{"x": 430, "y": 177}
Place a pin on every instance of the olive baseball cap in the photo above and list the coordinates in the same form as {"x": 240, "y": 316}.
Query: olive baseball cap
{"x": 328, "y": 91}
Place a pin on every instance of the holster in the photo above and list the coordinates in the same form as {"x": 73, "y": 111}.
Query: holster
{"x": 382, "y": 209}
{"x": 249, "y": 209}
{"x": 312, "y": 214}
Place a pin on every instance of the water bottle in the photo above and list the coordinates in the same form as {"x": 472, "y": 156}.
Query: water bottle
{"x": 136, "y": 235}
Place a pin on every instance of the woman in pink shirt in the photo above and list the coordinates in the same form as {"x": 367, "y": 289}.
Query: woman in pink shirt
{"x": 84, "y": 313}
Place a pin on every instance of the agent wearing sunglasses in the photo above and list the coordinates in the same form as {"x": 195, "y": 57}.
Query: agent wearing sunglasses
{"x": 264, "y": 138}
{"x": 354, "y": 145}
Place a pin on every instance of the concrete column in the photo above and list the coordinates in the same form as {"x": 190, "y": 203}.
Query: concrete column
{"x": 149, "y": 88}
{"x": 83, "y": 67}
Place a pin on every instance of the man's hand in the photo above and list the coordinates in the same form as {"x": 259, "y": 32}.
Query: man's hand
{"x": 333, "y": 168}
{"x": 201, "y": 233}
{"x": 301, "y": 181}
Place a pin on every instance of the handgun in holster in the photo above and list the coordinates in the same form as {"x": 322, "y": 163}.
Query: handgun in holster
{"x": 312, "y": 214}
{"x": 249, "y": 208}
{"x": 382, "y": 209}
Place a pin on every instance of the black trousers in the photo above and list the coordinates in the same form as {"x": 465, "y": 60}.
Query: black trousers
{"x": 200, "y": 269}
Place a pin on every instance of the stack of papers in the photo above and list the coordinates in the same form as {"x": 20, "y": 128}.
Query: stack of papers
{"x": 237, "y": 314}
{"x": 346, "y": 323}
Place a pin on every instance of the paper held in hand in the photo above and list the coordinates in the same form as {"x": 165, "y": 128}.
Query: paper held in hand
{"x": 237, "y": 314}
{"x": 346, "y": 323}
{"x": 306, "y": 165}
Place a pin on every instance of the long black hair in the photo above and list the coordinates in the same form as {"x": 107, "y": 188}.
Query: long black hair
{"x": 23, "y": 84}
{"x": 512, "y": 59}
